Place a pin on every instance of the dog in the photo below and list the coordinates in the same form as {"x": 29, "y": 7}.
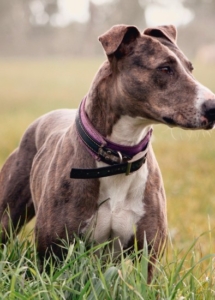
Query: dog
{"x": 93, "y": 169}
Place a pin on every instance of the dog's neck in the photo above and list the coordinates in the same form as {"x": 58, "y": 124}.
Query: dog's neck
{"x": 129, "y": 131}
{"x": 123, "y": 130}
{"x": 104, "y": 112}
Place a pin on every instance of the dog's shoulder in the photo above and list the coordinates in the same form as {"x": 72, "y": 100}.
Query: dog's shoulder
{"x": 57, "y": 117}
{"x": 53, "y": 122}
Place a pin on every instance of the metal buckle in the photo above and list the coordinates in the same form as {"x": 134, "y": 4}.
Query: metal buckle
{"x": 110, "y": 155}
{"x": 128, "y": 169}
{"x": 120, "y": 156}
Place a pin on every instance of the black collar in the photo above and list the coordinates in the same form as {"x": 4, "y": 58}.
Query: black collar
{"x": 121, "y": 159}
{"x": 124, "y": 168}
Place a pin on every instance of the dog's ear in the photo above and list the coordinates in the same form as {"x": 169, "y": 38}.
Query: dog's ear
{"x": 169, "y": 32}
{"x": 118, "y": 35}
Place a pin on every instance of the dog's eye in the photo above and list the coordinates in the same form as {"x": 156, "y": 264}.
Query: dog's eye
{"x": 166, "y": 70}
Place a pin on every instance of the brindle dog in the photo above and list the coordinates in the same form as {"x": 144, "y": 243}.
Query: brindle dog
{"x": 145, "y": 80}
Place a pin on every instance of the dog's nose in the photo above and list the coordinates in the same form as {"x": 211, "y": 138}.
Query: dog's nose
{"x": 208, "y": 108}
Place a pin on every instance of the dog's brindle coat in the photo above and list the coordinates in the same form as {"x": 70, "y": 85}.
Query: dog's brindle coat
{"x": 145, "y": 80}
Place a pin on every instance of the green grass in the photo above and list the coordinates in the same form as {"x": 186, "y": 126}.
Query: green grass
{"x": 187, "y": 160}
{"x": 85, "y": 275}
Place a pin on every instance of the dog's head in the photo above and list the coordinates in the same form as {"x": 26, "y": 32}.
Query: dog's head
{"x": 154, "y": 80}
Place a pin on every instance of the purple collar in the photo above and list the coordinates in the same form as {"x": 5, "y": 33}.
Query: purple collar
{"x": 102, "y": 148}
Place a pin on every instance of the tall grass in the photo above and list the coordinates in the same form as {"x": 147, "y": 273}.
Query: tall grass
{"x": 85, "y": 275}
{"x": 187, "y": 160}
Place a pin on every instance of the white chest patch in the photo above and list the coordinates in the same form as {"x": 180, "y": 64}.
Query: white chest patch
{"x": 120, "y": 202}
{"x": 117, "y": 216}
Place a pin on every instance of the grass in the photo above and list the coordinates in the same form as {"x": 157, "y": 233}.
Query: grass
{"x": 84, "y": 275}
{"x": 187, "y": 160}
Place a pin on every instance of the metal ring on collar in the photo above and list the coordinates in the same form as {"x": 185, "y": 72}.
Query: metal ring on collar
{"x": 120, "y": 156}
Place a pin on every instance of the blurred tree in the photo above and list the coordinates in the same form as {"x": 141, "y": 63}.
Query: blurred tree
{"x": 102, "y": 17}
{"x": 42, "y": 11}
{"x": 14, "y": 24}
{"x": 128, "y": 12}
{"x": 201, "y": 30}
{"x": 26, "y": 26}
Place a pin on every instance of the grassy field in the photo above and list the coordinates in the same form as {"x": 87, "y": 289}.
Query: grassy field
{"x": 187, "y": 161}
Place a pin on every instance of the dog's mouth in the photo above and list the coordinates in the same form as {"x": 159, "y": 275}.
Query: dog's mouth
{"x": 210, "y": 125}
{"x": 179, "y": 121}
{"x": 169, "y": 121}
{"x": 203, "y": 124}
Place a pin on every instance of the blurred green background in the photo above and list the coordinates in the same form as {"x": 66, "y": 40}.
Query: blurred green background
{"x": 45, "y": 67}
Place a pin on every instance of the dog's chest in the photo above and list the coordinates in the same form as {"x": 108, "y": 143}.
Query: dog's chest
{"x": 120, "y": 206}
